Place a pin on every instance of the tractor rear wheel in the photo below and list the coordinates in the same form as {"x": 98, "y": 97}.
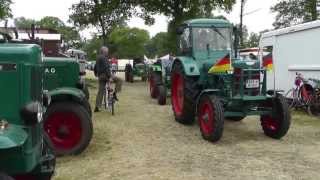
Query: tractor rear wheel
{"x": 277, "y": 124}
{"x": 236, "y": 118}
{"x": 162, "y": 97}
{"x": 155, "y": 78}
{"x": 210, "y": 117}
{"x": 5, "y": 177}
{"x": 69, "y": 127}
{"x": 182, "y": 105}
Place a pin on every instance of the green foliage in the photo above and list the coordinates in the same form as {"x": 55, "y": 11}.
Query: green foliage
{"x": 158, "y": 45}
{"x": 24, "y": 23}
{"x": 252, "y": 40}
{"x": 5, "y": 11}
{"x": 92, "y": 46}
{"x": 105, "y": 15}
{"x": 128, "y": 42}
{"x": 291, "y": 12}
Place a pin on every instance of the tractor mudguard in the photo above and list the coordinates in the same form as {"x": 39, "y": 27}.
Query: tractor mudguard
{"x": 189, "y": 65}
{"x": 12, "y": 137}
{"x": 70, "y": 94}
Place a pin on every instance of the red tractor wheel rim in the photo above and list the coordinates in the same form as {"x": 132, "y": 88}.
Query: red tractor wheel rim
{"x": 206, "y": 121}
{"x": 270, "y": 123}
{"x": 64, "y": 129}
{"x": 177, "y": 93}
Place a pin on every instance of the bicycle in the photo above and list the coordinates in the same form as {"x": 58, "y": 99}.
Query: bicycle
{"x": 108, "y": 98}
{"x": 305, "y": 95}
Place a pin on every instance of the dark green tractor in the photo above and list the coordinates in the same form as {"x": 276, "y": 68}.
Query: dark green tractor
{"x": 25, "y": 152}
{"x": 68, "y": 118}
{"x": 138, "y": 68}
{"x": 159, "y": 79}
{"x": 209, "y": 82}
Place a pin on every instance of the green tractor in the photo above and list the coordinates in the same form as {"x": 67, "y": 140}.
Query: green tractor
{"x": 68, "y": 118}
{"x": 159, "y": 79}
{"x": 211, "y": 83}
{"x": 25, "y": 151}
{"x": 139, "y": 68}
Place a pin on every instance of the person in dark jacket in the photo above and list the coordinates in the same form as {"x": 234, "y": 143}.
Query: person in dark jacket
{"x": 103, "y": 70}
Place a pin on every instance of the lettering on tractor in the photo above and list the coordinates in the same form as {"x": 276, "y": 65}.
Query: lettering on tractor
{"x": 25, "y": 149}
{"x": 211, "y": 83}
{"x": 50, "y": 70}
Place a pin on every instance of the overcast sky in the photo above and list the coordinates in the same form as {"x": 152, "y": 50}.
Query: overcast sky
{"x": 259, "y": 20}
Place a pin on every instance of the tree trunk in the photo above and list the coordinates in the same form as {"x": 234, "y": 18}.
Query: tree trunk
{"x": 241, "y": 23}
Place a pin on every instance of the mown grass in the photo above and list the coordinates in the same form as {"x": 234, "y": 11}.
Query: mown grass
{"x": 143, "y": 141}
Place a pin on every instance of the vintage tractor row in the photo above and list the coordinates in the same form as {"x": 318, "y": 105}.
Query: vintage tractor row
{"x": 211, "y": 83}
{"x": 139, "y": 68}
{"x": 159, "y": 79}
{"x": 25, "y": 149}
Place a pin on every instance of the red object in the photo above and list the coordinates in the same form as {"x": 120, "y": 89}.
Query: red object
{"x": 114, "y": 61}
{"x": 64, "y": 129}
{"x": 270, "y": 123}
{"x": 267, "y": 60}
{"x": 177, "y": 93}
{"x": 206, "y": 114}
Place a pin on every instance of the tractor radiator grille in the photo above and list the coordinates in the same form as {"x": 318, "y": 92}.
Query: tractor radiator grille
{"x": 240, "y": 80}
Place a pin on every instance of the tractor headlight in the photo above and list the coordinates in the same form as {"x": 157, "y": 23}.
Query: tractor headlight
{"x": 3, "y": 125}
{"x": 32, "y": 113}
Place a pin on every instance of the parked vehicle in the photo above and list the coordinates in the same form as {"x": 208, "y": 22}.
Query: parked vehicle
{"x": 25, "y": 151}
{"x": 137, "y": 68}
{"x": 293, "y": 50}
{"x": 81, "y": 58}
{"x": 159, "y": 79}
{"x": 210, "y": 82}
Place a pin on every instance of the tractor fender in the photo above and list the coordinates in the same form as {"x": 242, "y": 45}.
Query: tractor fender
{"x": 189, "y": 65}
{"x": 12, "y": 137}
{"x": 70, "y": 94}
{"x": 206, "y": 91}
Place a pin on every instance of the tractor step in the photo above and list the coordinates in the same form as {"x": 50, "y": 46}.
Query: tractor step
{"x": 249, "y": 98}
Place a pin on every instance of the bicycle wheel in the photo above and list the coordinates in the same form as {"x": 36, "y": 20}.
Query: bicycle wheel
{"x": 105, "y": 98}
{"x": 291, "y": 98}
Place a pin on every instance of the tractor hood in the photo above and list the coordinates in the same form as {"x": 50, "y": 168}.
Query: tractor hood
{"x": 245, "y": 64}
{"x": 12, "y": 137}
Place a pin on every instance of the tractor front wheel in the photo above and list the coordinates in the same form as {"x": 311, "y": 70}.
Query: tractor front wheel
{"x": 210, "y": 117}
{"x": 277, "y": 124}
{"x": 162, "y": 97}
{"x": 182, "y": 106}
{"x": 69, "y": 127}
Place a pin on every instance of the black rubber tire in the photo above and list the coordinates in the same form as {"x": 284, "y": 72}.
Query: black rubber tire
{"x": 281, "y": 115}
{"x": 4, "y": 176}
{"x": 188, "y": 108}
{"x": 86, "y": 125}
{"x": 236, "y": 118}
{"x": 156, "y": 78}
{"x": 48, "y": 150}
{"x": 128, "y": 69}
{"x": 162, "y": 97}
{"x": 217, "y": 118}
{"x": 314, "y": 107}
{"x": 86, "y": 92}
{"x": 87, "y": 106}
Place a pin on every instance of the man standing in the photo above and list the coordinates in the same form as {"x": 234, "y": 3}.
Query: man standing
{"x": 104, "y": 75}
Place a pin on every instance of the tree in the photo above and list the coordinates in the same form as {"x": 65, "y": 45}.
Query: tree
{"x": 92, "y": 46}
{"x": 253, "y": 40}
{"x": 105, "y": 15}
{"x": 291, "y": 12}
{"x": 128, "y": 42}
{"x": 5, "y": 11}
{"x": 180, "y": 10}
{"x": 158, "y": 45}
{"x": 24, "y": 23}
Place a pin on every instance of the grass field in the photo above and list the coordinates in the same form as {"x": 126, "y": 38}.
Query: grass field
{"x": 143, "y": 142}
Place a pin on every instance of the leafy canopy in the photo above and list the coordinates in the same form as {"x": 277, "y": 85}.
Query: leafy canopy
{"x": 5, "y": 11}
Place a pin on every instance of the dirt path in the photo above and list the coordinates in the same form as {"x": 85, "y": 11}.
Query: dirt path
{"x": 143, "y": 142}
